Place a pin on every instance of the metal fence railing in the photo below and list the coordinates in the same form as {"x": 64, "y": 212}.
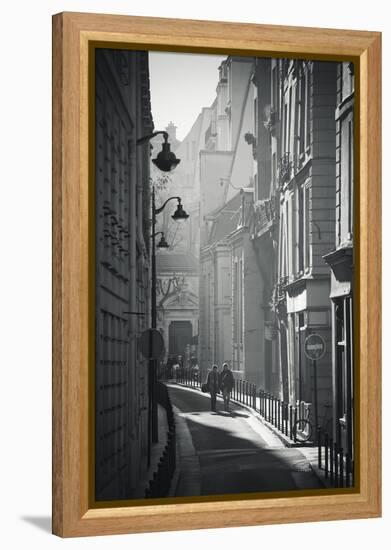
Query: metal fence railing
{"x": 336, "y": 464}
{"x": 293, "y": 421}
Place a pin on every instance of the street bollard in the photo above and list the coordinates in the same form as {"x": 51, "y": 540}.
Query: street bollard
{"x": 286, "y": 419}
{"x": 294, "y": 420}
{"x": 336, "y": 464}
{"x": 326, "y": 455}
{"x": 331, "y": 447}
{"x": 319, "y": 448}
{"x": 341, "y": 467}
{"x": 348, "y": 468}
{"x": 275, "y": 411}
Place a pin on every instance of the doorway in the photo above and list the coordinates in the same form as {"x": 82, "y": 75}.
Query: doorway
{"x": 180, "y": 334}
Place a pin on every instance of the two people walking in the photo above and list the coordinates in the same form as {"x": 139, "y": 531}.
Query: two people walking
{"x": 220, "y": 381}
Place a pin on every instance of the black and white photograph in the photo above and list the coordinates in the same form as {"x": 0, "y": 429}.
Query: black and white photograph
{"x": 224, "y": 276}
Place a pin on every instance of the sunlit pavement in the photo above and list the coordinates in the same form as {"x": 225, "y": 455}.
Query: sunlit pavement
{"x": 232, "y": 452}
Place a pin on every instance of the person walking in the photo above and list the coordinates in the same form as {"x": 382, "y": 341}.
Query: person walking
{"x": 175, "y": 369}
{"x": 226, "y": 384}
{"x": 213, "y": 383}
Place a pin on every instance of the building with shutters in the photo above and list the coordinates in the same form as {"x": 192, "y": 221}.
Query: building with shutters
{"x": 123, "y": 114}
{"x": 341, "y": 262}
{"x": 303, "y": 224}
{"x": 303, "y": 161}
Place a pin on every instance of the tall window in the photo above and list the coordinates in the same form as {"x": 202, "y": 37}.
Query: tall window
{"x": 300, "y": 229}
{"x": 306, "y": 240}
{"x": 289, "y": 129}
{"x": 350, "y": 179}
{"x": 347, "y": 175}
{"x": 240, "y": 300}
{"x": 301, "y": 113}
{"x": 289, "y": 220}
{"x": 307, "y": 109}
{"x": 285, "y": 127}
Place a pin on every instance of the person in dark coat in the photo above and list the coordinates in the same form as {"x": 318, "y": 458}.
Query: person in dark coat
{"x": 213, "y": 383}
{"x": 226, "y": 384}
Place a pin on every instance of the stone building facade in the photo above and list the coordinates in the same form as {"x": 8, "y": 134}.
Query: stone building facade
{"x": 122, "y": 203}
{"x": 341, "y": 262}
{"x": 226, "y": 165}
{"x": 293, "y": 222}
{"x": 177, "y": 301}
{"x": 305, "y": 148}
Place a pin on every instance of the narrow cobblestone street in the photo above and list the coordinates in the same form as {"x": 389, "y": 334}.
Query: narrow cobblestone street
{"x": 232, "y": 452}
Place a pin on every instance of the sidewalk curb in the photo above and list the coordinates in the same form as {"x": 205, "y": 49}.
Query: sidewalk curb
{"x": 183, "y": 455}
{"x": 282, "y": 437}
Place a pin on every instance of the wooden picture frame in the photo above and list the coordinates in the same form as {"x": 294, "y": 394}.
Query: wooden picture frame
{"x": 73, "y": 33}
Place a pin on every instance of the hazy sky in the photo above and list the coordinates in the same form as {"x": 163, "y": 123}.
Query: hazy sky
{"x": 181, "y": 84}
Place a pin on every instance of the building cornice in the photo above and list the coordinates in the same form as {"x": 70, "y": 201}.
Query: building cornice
{"x": 340, "y": 261}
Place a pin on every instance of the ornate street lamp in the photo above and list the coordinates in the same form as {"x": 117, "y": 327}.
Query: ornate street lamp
{"x": 179, "y": 215}
{"x": 162, "y": 243}
{"x": 166, "y": 159}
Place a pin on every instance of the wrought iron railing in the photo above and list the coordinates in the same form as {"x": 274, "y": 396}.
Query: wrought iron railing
{"x": 336, "y": 465}
{"x": 334, "y": 461}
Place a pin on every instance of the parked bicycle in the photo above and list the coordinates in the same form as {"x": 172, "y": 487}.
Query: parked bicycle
{"x": 302, "y": 428}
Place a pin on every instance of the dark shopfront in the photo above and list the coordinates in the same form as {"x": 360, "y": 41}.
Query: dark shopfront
{"x": 340, "y": 262}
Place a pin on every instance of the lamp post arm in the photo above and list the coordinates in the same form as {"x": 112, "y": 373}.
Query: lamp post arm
{"x": 144, "y": 139}
{"x": 161, "y": 208}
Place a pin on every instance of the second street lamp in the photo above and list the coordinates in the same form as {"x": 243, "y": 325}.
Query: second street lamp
{"x": 179, "y": 215}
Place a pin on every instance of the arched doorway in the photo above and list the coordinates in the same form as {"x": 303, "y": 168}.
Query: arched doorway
{"x": 180, "y": 334}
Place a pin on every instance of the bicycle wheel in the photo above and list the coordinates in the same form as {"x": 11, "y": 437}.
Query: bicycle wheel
{"x": 302, "y": 430}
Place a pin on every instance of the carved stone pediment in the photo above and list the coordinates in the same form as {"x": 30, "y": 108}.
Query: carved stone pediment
{"x": 182, "y": 299}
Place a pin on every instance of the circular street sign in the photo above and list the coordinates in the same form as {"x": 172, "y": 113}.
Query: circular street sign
{"x": 314, "y": 347}
{"x": 151, "y": 343}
